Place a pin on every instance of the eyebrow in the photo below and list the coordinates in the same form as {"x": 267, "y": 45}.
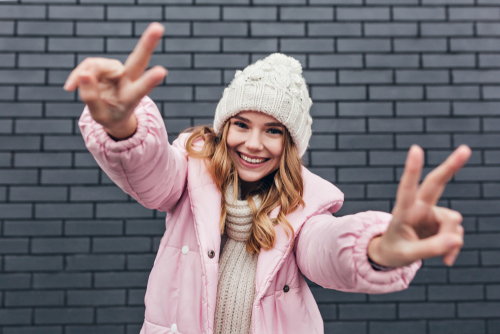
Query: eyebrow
{"x": 267, "y": 124}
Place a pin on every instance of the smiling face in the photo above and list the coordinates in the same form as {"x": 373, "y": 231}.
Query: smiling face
{"x": 255, "y": 142}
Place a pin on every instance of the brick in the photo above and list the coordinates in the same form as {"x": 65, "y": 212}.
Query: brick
{"x": 129, "y": 314}
{"x": 369, "y": 14}
{"x": 277, "y": 29}
{"x": 140, "y": 262}
{"x": 44, "y": 28}
{"x": 338, "y": 158}
{"x": 42, "y": 159}
{"x": 220, "y": 61}
{"x": 20, "y": 176}
{"x": 449, "y": 61}
{"x": 61, "y": 280}
{"x": 102, "y": 329}
{"x": 334, "y": 29}
{"x": 387, "y": 157}
{"x": 14, "y": 281}
{"x": 426, "y": 310}
{"x": 34, "y": 298}
{"x": 365, "y": 141}
{"x": 193, "y": 76}
{"x": 395, "y": 92}
{"x": 280, "y": 2}
{"x": 390, "y": 29}
{"x": 124, "y": 44}
{"x": 7, "y": 93}
{"x": 365, "y": 76}
{"x": 118, "y": 210}
{"x": 136, "y": 296}
{"x": 474, "y": 44}
{"x": 103, "y": 28}
{"x": 456, "y": 326}
{"x": 474, "y": 13}
{"x": 43, "y": 93}
{"x": 96, "y": 297}
{"x": 311, "y": 45}
{"x": 412, "y": 293}
{"x": 180, "y": 93}
{"x": 46, "y": 60}
{"x": 85, "y": 160}
{"x": 60, "y": 245}
{"x": 328, "y": 311}
{"x": 371, "y": 311}
{"x": 392, "y": 61}
{"x": 15, "y": 210}
{"x": 58, "y": 109}
{"x": 447, "y": 29}
{"x": 61, "y": 210}
{"x": 65, "y": 315}
{"x": 22, "y": 12}
{"x": 14, "y": 246}
{"x": 337, "y": 61}
{"x": 407, "y": 327}
{"x": 419, "y": 13}
{"x": 419, "y": 44}
{"x": 33, "y": 330}
{"x": 121, "y": 280}
{"x": 378, "y": 191}
{"x": 32, "y": 228}
{"x": 43, "y": 126}
{"x": 322, "y": 295}
{"x": 478, "y": 309}
{"x": 7, "y": 59}
{"x": 21, "y": 77}
{"x": 76, "y": 44}
{"x": 452, "y": 92}
{"x": 472, "y": 76}
{"x": 338, "y": 93}
{"x": 476, "y": 206}
{"x": 363, "y": 45}
{"x": 323, "y": 109}
{"x": 455, "y": 292}
{"x": 487, "y": 29}
{"x": 322, "y": 142}
{"x": 491, "y": 190}
{"x": 339, "y": 327}
{"x": 365, "y": 109}
{"x": 339, "y": 125}
{"x": 477, "y": 140}
{"x": 43, "y": 194}
{"x": 15, "y": 316}
{"x": 491, "y": 157}
{"x": 444, "y": 2}
{"x": 76, "y": 12}
{"x": 121, "y": 244}
{"x": 66, "y": 176}
{"x": 266, "y": 13}
{"x": 490, "y": 92}
{"x": 476, "y": 108}
{"x": 422, "y": 76}
{"x": 490, "y": 258}
{"x": 192, "y": 44}
{"x": 306, "y": 14}
{"x": 97, "y": 194}
{"x": 192, "y": 13}
{"x": 22, "y": 44}
{"x": 95, "y": 262}
{"x": 424, "y": 141}
{"x": 452, "y": 124}
{"x": 63, "y": 143}
{"x": 371, "y": 174}
{"x": 481, "y": 241}
{"x": 395, "y": 125}
{"x": 493, "y": 291}
{"x": 464, "y": 259}
{"x": 33, "y": 263}
{"x": 145, "y": 227}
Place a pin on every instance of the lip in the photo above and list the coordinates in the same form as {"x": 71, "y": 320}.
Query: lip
{"x": 250, "y": 165}
{"x": 251, "y": 156}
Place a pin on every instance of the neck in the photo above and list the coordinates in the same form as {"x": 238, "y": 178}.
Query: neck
{"x": 246, "y": 187}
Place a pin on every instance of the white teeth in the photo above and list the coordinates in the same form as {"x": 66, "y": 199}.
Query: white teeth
{"x": 253, "y": 161}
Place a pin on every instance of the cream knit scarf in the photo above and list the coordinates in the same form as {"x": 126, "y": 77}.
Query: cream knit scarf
{"x": 236, "y": 285}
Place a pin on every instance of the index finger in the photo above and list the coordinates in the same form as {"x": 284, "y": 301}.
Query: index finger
{"x": 433, "y": 185}
{"x": 408, "y": 184}
{"x": 138, "y": 60}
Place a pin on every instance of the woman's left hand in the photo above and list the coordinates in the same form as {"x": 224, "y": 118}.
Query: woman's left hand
{"x": 419, "y": 229}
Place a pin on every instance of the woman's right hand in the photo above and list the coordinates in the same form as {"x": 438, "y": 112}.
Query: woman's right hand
{"x": 112, "y": 90}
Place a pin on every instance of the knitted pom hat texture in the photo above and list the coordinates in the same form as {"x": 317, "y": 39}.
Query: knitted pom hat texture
{"x": 274, "y": 86}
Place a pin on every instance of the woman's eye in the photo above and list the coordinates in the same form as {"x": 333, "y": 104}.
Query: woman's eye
{"x": 240, "y": 125}
{"x": 275, "y": 131}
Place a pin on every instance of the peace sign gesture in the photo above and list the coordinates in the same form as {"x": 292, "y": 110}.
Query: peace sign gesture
{"x": 419, "y": 229}
{"x": 112, "y": 90}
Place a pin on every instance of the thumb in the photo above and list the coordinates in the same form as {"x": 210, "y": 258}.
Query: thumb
{"x": 437, "y": 245}
{"x": 89, "y": 93}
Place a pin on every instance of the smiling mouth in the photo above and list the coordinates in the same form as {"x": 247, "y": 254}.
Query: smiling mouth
{"x": 252, "y": 160}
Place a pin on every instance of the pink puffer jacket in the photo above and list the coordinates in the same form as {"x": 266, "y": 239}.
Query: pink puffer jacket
{"x": 182, "y": 286}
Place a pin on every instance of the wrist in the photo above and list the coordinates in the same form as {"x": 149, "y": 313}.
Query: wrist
{"x": 375, "y": 253}
{"x": 124, "y": 130}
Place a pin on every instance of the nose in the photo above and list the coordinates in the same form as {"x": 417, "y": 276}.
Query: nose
{"x": 254, "y": 142}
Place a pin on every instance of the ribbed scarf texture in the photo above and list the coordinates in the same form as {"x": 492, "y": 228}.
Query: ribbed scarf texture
{"x": 236, "y": 285}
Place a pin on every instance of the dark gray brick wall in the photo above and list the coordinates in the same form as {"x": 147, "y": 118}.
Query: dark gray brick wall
{"x": 75, "y": 251}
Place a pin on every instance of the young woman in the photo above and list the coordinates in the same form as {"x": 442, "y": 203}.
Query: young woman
{"x": 245, "y": 219}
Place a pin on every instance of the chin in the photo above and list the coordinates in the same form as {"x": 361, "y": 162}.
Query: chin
{"x": 251, "y": 177}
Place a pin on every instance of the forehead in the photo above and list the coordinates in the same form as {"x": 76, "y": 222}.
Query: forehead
{"x": 257, "y": 117}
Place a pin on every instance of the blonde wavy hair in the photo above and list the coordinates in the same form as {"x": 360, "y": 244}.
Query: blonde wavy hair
{"x": 283, "y": 187}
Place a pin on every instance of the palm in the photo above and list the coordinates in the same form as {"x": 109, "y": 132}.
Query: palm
{"x": 419, "y": 228}
{"x": 111, "y": 89}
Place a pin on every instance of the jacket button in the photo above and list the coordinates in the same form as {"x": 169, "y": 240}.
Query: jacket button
{"x": 211, "y": 254}
{"x": 185, "y": 250}
{"x": 173, "y": 328}
{"x": 286, "y": 288}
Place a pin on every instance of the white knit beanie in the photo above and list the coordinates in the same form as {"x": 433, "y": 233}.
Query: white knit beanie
{"x": 274, "y": 86}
